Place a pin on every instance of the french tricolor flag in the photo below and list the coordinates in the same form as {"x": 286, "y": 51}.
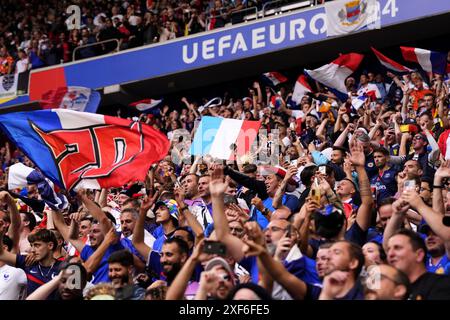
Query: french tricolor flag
{"x": 224, "y": 138}
{"x": 145, "y": 105}
{"x": 333, "y": 74}
{"x": 274, "y": 78}
{"x": 71, "y": 98}
{"x": 389, "y": 63}
{"x": 371, "y": 91}
{"x": 300, "y": 89}
{"x": 430, "y": 61}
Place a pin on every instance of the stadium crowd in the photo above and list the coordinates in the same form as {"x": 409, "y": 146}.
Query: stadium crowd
{"x": 349, "y": 203}
{"x": 36, "y": 33}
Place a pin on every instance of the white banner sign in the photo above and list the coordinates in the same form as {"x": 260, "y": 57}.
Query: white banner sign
{"x": 345, "y": 16}
{"x": 8, "y": 86}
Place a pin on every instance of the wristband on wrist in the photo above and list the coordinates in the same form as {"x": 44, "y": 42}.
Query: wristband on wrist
{"x": 438, "y": 187}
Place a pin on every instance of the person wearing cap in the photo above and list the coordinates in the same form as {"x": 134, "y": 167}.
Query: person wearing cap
{"x": 164, "y": 265}
{"x": 438, "y": 251}
{"x": 216, "y": 282}
{"x": 166, "y": 216}
{"x": 420, "y": 143}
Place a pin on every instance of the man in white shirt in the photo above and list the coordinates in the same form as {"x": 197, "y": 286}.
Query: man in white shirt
{"x": 13, "y": 281}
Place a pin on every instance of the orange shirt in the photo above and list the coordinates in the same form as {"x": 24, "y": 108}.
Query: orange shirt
{"x": 417, "y": 95}
{"x": 5, "y": 64}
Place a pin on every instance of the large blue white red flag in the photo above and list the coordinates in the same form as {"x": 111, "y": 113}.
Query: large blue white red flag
{"x": 333, "y": 74}
{"x": 224, "y": 138}
{"x": 274, "y": 78}
{"x": 72, "y": 98}
{"x": 79, "y": 149}
{"x": 371, "y": 90}
{"x": 389, "y": 63}
{"x": 20, "y": 176}
{"x": 430, "y": 61}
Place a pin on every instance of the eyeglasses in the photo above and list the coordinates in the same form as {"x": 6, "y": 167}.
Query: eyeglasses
{"x": 370, "y": 277}
{"x": 418, "y": 138}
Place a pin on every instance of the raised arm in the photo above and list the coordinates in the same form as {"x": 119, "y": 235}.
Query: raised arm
{"x": 138, "y": 232}
{"x": 293, "y": 285}
{"x": 357, "y": 159}
{"x": 340, "y": 141}
{"x": 178, "y": 287}
{"x": 66, "y": 233}
{"x": 46, "y": 289}
{"x": 189, "y": 218}
{"x": 442, "y": 172}
{"x": 93, "y": 262}
{"x": 248, "y": 182}
{"x": 14, "y": 228}
{"x": 433, "y": 218}
{"x": 5, "y": 256}
{"x": 399, "y": 208}
{"x": 217, "y": 187}
{"x": 95, "y": 211}
{"x": 277, "y": 201}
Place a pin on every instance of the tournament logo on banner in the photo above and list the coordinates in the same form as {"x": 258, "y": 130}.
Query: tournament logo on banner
{"x": 8, "y": 87}
{"x": 345, "y": 16}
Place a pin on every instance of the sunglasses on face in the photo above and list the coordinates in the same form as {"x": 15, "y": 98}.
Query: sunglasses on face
{"x": 225, "y": 277}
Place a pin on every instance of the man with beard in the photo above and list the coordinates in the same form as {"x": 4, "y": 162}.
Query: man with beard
{"x": 162, "y": 265}
{"x": 384, "y": 182}
{"x": 70, "y": 283}
{"x": 95, "y": 260}
{"x": 120, "y": 271}
{"x": 197, "y": 198}
{"x": 201, "y": 208}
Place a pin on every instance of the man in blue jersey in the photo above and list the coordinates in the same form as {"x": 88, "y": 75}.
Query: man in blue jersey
{"x": 43, "y": 243}
{"x": 438, "y": 251}
{"x": 96, "y": 262}
{"x": 384, "y": 181}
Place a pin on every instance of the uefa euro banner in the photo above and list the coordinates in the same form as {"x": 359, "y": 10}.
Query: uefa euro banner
{"x": 79, "y": 149}
{"x": 223, "y": 138}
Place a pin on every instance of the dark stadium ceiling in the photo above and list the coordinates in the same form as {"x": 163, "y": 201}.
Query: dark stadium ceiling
{"x": 299, "y": 56}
